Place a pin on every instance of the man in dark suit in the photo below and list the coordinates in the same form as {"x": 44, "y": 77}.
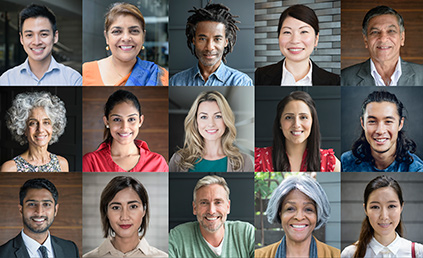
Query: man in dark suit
{"x": 38, "y": 207}
{"x": 384, "y": 35}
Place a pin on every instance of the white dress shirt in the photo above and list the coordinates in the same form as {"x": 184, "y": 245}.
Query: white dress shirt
{"x": 400, "y": 247}
{"x": 378, "y": 79}
{"x": 289, "y": 80}
{"x": 32, "y": 246}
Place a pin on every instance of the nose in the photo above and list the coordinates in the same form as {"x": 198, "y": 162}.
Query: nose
{"x": 209, "y": 45}
{"x": 299, "y": 215}
{"x": 39, "y": 209}
{"x": 126, "y": 36}
{"x": 384, "y": 213}
{"x": 297, "y": 122}
{"x": 212, "y": 208}
{"x": 124, "y": 214}
{"x": 40, "y": 127}
{"x": 295, "y": 37}
{"x": 37, "y": 39}
{"x": 125, "y": 124}
{"x": 380, "y": 128}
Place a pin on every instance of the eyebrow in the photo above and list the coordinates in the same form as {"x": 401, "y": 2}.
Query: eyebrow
{"x": 219, "y": 112}
{"x": 386, "y": 117}
{"x": 38, "y": 201}
{"x": 118, "y": 203}
{"x": 391, "y": 201}
{"x": 292, "y": 202}
{"x": 134, "y": 114}
{"x": 390, "y": 26}
{"x": 131, "y": 27}
{"x": 45, "y": 30}
{"x": 294, "y": 113}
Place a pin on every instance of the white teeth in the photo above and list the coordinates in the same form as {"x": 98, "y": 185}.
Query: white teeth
{"x": 295, "y": 49}
{"x": 214, "y": 218}
{"x": 380, "y": 140}
{"x": 296, "y": 133}
{"x": 211, "y": 131}
{"x": 298, "y": 226}
{"x": 124, "y": 134}
{"x": 39, "y": 220}
{"x": 126, "y": 47}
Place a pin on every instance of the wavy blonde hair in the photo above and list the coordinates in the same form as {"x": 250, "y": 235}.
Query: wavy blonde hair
{"x": 193, "y": 150}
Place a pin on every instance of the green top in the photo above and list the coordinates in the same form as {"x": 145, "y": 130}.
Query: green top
{"x": 219, "y": 165}
{"x": 186, "y": 241}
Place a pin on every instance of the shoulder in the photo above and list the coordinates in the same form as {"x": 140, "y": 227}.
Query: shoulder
{"x": 64, "y": 165}
{"x": 237, "y": 78}
{"x": 353, "y": 69}
{"x": 348, "y": 162}
{"x": 417, "y": 165}
{"x": 324, "y": 250}
{"x": 9, "y": 77}
{"x": 181, "y": 78}
{"x": 173, "y": 163}
{"x": 67, "y": 245}
{"x": 348, "y": 251}
{"x": 248, "y": 163}
{"x": 349, "y": 75}
{"x": 268, "y": 251}
{"x": 150, "y": 251}
{"x": 71, "y": 76}
{"x": 324, "y": 77}
{"x": 9, "y": 166}
{"x": 185, "y": 229}
{"x": 92, "y": 253}
{"x": 89, "y": 66}
{"x": 7, "y": 248}
{"x": 239, "y": 226}
{"x": 418, "y": 68}
{"x": 269, "y": 74}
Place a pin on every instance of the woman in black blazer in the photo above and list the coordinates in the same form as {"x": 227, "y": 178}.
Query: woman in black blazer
{"x": 298, "y": 33}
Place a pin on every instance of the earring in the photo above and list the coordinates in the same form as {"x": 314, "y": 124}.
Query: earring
{"x": 107, "y": 126}
{"x": 107, "y": 48}
{"x": 112, "y": 233}
{"x": 143, "y": 47}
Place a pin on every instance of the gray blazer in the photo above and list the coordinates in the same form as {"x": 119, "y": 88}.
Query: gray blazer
{"x": 248, "y": 164}
{"x": 15, "y": 248}
{"x": 359, "y": 75}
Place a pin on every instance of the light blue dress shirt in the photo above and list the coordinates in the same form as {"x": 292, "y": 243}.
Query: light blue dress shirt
{"x": 223, "y": 76}
{"x": 56, "y": 75}
{"x": 32, "y": 246}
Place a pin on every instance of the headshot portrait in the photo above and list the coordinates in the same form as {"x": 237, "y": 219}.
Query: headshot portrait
{"x": 381, "y": 215}
{"x": 125, "y": 130}
{"x": 125, "y": 43}
{"x": 211, "y": 130}
{"x": 40, "y": 129}
{"x": 391, "y": 53}
{"x": 380, "y": 130}
{"x": 44, "y": 44}
{"x": 299, "y": 214}
{"x": 297, "y": 44}
{"x": 125, "y": 215}
{"x": 297, "y": 130}
{"x": 219, "y": 37}
{"x": 43, "y": 215}
{"x": 211, "y": 215}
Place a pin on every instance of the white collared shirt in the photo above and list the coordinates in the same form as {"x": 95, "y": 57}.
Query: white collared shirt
{"x": 394, "y": 78}
{"x": 32, "y": 246}
{"x": 289, "y": 80}
{"x": 400, "y": 247}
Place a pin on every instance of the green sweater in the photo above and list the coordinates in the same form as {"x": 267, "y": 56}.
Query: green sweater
{"x": 186, "y": 241}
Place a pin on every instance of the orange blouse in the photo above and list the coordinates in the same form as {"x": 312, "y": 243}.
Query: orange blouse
{"x": 92, "y": 77}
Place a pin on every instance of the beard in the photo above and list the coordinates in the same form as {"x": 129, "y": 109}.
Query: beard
{"x": 27, "y": 222}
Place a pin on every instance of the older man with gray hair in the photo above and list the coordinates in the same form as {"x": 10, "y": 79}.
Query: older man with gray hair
{"x": 384, "y": 35}
{"x": 212, "y": 235}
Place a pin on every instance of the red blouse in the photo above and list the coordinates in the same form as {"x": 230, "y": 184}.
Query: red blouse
{"x": 264, "y": 163}
{"x": 101, "y": 160}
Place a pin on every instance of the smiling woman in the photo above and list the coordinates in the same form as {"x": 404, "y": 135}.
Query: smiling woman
{"x": 39, "y": 119}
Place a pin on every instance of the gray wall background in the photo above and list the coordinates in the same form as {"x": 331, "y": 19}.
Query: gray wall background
{"x": 242, "y": 57}
{"x": 328, "y": 104}
{"x": 353, "y": 185}
{"x": 157, "y": 189}
{"x": 353, "y": 97}
{"x": 328, "y": 53}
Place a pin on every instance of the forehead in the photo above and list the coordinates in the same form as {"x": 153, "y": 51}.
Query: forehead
{"x": 211, "y": 192}
{"x": 37, "y": 24}
{"x": 384, "y": 194}
{"x": 381, "y": 109}
{"x": 294, "y": 23}
{"x": 126, "y": 195}
{"x": 297, "y": 196}
{"x": 210, "y": 28}
{"x": 296, "y": 106}
{"x": 124, "y": 108}
{"x": 208, "y": 106}
{"x": 38, "y": 195}
{"x": 382, "y": 21}
{"x": 125, "y": 20}
{"x": 38, "y": 112}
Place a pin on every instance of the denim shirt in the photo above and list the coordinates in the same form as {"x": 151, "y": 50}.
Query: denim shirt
{"x": 349, "y": 165}
{"x": 223, "y": 76}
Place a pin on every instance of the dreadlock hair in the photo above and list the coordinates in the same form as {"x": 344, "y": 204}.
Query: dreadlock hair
{"x": 217, "y": 13}
{"x": 361, "y": 147}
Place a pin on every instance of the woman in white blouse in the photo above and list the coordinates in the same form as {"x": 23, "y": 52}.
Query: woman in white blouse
{"x": 382, "y": 228}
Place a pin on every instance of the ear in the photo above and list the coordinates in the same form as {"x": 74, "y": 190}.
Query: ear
{"x": 20, "y": 208}
{"x": 226, "y": 42}
{"x": 106, "y": 122}
{"x": 56, "y": 36}
{"x": 365, "y": 211}
{"x": 401, "y": 124}
{"x": 193, "y": 208}
{"x": 317, "y": 40}
{"x": 141, "y": 120}
{"x": 362, "y": 123}
{"x": 402, "y": 38}
{"x": 365, "y": 41}
{"x": 105, "y": 36}
{"x": 21, "y": 38}
{"x": 229, "y": 206}
{"x": 56, "y": 209}
{"x": 402, "y": 207}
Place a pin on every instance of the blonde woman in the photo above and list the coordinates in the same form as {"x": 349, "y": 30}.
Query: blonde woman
{"x": 210, "y": 134}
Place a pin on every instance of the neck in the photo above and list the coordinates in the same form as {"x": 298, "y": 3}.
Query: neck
{"x": 298, "y": 69}
{"x": 122, "y": 68}
{"x": 36, "y": 153}
{"x": 213, "y": 150}
{"x": 385, "y": 240}
{"x": 386, "y": 69}
{"x": 39, "y": 237}
{"x": 295, "y": 154}
{"x": 126, "y": 244}
{"x": 213, "y": 238}
{"x": 298, "y": 249}
{"x": 39, "y": 68}
{"x": 207, "y": 70}
{"x": 117, "y": 149}
{"x": 383, "y": 160}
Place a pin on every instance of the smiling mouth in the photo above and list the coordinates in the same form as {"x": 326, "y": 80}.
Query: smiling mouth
{"x": 212, "y": 131}
{"x": 381, "y": 140}
{"x": 295, "y": 50}
{"x": 383, "y": 48}
{"x": 299, "y": 227}
{"x": 41, "y": 137}
{"x": 39, "y": 220}
{"x": 124, "y": 134}
{"x": 296, "y": 133}
{"x": 384, "y": 225}
{"x": 125, "y": 226}
{"x": 212, "y": 218}
{"x": 37, "y": 50}
{"x": 126, "y": 48}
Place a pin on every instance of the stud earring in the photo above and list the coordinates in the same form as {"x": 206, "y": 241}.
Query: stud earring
{"x": 107, "y": 48}
{"x": 143, "y": 47}
{"x": 107, "y": 126}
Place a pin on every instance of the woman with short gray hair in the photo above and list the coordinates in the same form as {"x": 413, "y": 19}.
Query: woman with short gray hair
{"x": 39, "y": 119}
{"x": 300, "y": 205}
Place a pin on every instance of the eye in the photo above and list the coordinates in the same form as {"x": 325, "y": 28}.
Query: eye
{"x": 290, "y": 208}
{"x": 392, "y": 206}
{"x": 202, "y": 202}
{"x": 304, "y": 117}
{"x": 288, "y": 117}
{"x": 286, "y": 32}
{"x": 304, "y": 31}
{"x": 133, "y": 206}
{"x": 47, "y": 122}
{"x": 203, "y": 117}
{"x": 218, "y": 116}
{"x": 115, "y": 207}
{"x": 218, "y": 39}
{"x": 132, "y": 119}
{"x": 28, "y": 35}
{"x": 135, "y": 31}
{"x": 31, "y": 204}
{"x": 44, "y": 35}
{"x": 309, "y": 210}
{"x": 389, "y": 122}
{"x": 201, "y": 38}
{"x": 374, "y": 32}
{"x": 374, "y": 207}
{"x": 116, "y": 32}
{"x": 46, "y": 204}
{"x": 371, "y": 122}
{"x": 116, "y": 119}
{"x": 32, "y": 123}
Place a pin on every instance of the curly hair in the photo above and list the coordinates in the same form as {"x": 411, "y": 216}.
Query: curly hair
{"x": 24, "y": 103}
{"x": 217, "y": 13}
{"x": 192, "y": 152}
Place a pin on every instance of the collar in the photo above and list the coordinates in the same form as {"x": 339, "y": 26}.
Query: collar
{"x": 26, "y": 68}
{"x": 392, "y": 247}
{"x": 140, "y": 144}
{"x": 219, "y": 73}
{"x": 32, "y": 246}
{"x": 288, "y": 77}
{"x": 394, "y": 78}
{"x": 107, "y": 248}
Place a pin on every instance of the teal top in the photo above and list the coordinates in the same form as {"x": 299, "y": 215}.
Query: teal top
{"x": 219, "y": 165}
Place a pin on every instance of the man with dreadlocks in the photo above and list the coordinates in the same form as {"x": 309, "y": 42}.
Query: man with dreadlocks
{"x": 211, "y": 35}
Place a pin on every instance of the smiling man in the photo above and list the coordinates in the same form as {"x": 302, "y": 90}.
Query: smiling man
{"x": 38, "y": 207}
{"x": 384, "y": 35}
{"x": 383, "y": 145}
{"x": 211, "y": 35}
{"x": 38, "y": 33}
{"x": 212, "y": 235}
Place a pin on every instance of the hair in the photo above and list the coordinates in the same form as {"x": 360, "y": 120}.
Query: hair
{"x": 17, "y": 115}
{"x": 193, "y": 149}
{"x": 361, "y": 148}
{"x": 302, "y": 13}
{"x": 117, "y": 9}
{"x": 307, "y": 186}
{"x": 35, "y": 11}
{"x": 118, "y": 97}
{"x": 116, "y": 185}
{"x": 279, "y": 156}
{"x": 38, "y": 183}
{"x": 381, "y": 10}
{"x": 367, "y": 231}
{"x": 210, "y": 180}
{"x": 217, "y": 13}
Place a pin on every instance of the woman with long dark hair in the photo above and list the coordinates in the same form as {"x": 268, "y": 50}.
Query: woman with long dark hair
{"x": 296, "y": 139}
{"x": 382, "y": 229}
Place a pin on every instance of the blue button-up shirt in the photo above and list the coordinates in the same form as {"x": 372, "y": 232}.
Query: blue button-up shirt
{"x": 223, "y": 76}
{"x": 57, "y": 75}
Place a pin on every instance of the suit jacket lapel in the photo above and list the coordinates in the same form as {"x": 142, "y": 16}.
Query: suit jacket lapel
{"x": 19, "y": 244}
{"x": 57, "y": 249}
{"x": 365, "y": 75}
{"x": 275, "y": 70}
{"x": 407, "y": 74}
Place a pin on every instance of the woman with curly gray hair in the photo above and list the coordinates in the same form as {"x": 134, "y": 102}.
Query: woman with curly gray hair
{"x": 39, "y": 119}
{"x": 300, "y": 204}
